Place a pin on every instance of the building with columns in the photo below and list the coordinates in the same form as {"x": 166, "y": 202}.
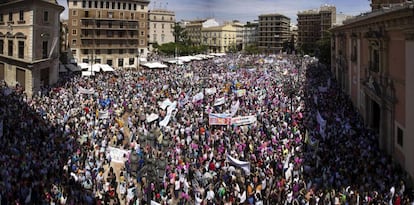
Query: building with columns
{"x": 161, "y": 27}
{"x": 372, "y": 59}
{"x": 29, "y": 43}
{"x": 112, "y": 32}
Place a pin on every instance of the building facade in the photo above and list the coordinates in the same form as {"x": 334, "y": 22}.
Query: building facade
{"x": 250, "y": 34}
{"x": 372, "y": 59}
{"x": 312, "y": 25}
{"x": 273, "y": 31}
{"x": 220, "y": 39}
{"x": 193, "y": 30}
{"x": 161, "y": 27}
{"x": 29, "y": 43}
{"x": 110, "y": 32}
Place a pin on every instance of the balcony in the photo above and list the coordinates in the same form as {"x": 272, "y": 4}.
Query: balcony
{"x": 135, "y": 37}
{"x": 110, "y": 46}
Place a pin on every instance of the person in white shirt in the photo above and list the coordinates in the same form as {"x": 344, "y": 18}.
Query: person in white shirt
{"x": 210, "y": 194}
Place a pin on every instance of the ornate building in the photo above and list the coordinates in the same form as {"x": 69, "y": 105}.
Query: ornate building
{"x": 29, "y": 43}
{"x": 112, "y": 32}
{"x": 372, "y": 59}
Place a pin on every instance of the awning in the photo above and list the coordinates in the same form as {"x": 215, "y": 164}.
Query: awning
{"x": 88, "y": 73}
{"x": 106, "y": 68}
{"x": 154, "y": 65}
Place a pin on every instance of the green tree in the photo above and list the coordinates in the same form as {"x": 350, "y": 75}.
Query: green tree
{"x": 180, "y": 34}
{"x": 251, "y": 49}
{"x": 323, "y": 51}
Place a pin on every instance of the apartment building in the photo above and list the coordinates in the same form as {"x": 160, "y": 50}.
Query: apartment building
{"x": 379, "y": 4}
{"x": 312, "y": 25}
{"x": 372, "y": 59}
{"x": 250, "y": 34}
{"x": 193, "y": 29}
{"x": 219, "y": 39}
{"x": 29, "y": 43}
{"x": 273, "y": 31}
{"x": 110, "y": 32}
{"x": 161, "y": 27}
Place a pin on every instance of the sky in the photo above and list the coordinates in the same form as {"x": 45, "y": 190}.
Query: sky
{"x": 247, "y": 10}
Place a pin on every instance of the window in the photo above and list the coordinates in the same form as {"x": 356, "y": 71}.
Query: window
{"x": 75, "y": 3}
{"x": 44, "y": 49}
{"x": 162, "y": 38}
{"x": 74, "y": 32}
{"x": 107, "y": 5}
{"x": 142, "y": 7}
{"x": 1, "y": 46}
{"x": 162, "y": 26}
{"x": 46, "y": 16}
{"x": 113, "y": 5}
{"x": 120, "y": 62}
{"x": 400, "y": 136}
{"x": 10, "y": 16}
{"x": 135, "y": 6}
{"x": 10, "y": 45}
{"x": 119, "y": 5}
{"x": 109, "y": 51}
{"x": 83, "y": 4}
{"x": 141, "y": 42}
{"x": 96, "y": 4}
{"x": 74, "y": 22}
{"x": 21, "y": 15}
{"x": 154, "y": 37}
{"x": 121, "y": 51}
{"x": 155, "y": 25}
{"x": 131, "y": 61}
{"x": 374, "y": 64}
{"x": 73, "y": 52}
{"x": 110, "y": 15}
{"x": 90, "y": 4}
{"x": 74, "y": 42}
{"x": 1, "y": 18}
{"x": 86, "y": 13}
{"x": 129, "y": 6}
{"x": 74, "y": 13}
{"x": 124, "y": 6}
{"x": 102, "y": 4}
{"x": 21, "y": 49}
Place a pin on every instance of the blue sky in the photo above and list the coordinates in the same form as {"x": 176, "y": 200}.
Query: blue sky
{"x": 248, "y": 10}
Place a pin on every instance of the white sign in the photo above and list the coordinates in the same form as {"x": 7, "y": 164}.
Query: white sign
{"x": 152, "y": 117}
{"x": 86, "y": 91}
{"x": 118, "y": 155}
{"x": 164, "y": 104}
{"x": 199, "y": 96}
{"x": 210, "y": 91}
{"x": 243, "y": 165}
{"x": 245, "y": 120}
{"x": 234, "y": 108}
{"x": 219, "y": 101}
{"x": 103, "y": 114}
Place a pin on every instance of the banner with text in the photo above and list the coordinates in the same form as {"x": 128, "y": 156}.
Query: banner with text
{"x": 118, "y": 155}
{"x": 219, "y": 119}
{"x": 245, "y": 120}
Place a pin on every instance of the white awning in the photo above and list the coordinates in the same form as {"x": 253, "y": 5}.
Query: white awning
{"x": 106, "y": 68}
{"x": 155, "y": 65}
{"x": 88, "y": 73}
{"x": 84, "y": 65}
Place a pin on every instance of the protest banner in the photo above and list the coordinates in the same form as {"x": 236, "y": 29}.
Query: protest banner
{"x": 199, "y": 96}
{"x": 210, "y": 91}
{"x": 245, "y": 166}
{"x": 234, "y": 108}
{"x": 118, "y": 155}
{"x": 245, "y": 120}
{"x": 152, "y": 117}
{"x": 86, "y": 91}
{"x": 164, "y": 104}
{"x": 219, "y": 101}
{"x": 219, "y": 119}
{"x": 241, "y": 92}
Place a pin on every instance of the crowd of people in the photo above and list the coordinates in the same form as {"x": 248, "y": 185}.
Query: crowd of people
{"x": 229, "y": 130}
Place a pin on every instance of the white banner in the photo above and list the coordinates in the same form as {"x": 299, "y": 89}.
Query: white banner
{"x": 219, "y": 101}
{"x": 103, "y": 114}
{"x": 118, "y": 155}
{"x": 210, "y": 91}
{"x": 167, "y": 118}
{"x": 164, "y": 104}
{"x": 245, "y": 166}
{"x": 152, "y": 117}
{"x": 234, "y": 108}
{"x": 86, "y": 91}
{"x": 245, "y": 120}
{"x": 199, "y": 96}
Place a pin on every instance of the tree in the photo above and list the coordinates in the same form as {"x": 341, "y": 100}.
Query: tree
{"x": 323, "y": 51}
{"x": 180, "y": 34}
{"x": 251, "y": 49}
